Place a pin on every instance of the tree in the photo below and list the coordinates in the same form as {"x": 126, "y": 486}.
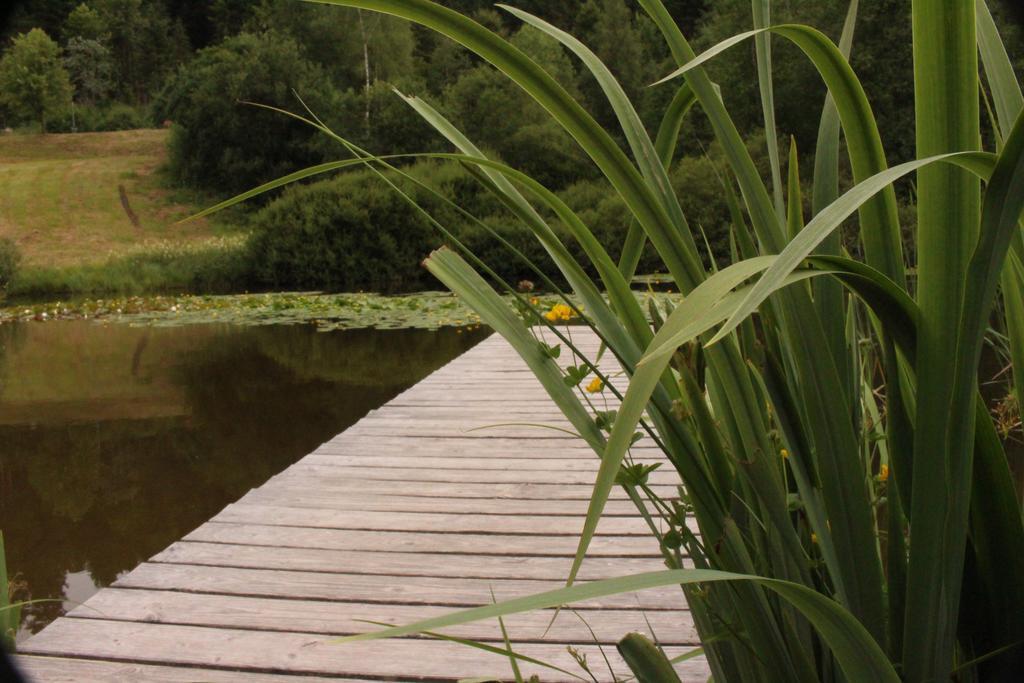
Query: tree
{"x": 497, "y": 115}
{"x": 48, "y": 15}
{"x": 220, "y": 144}
{"x": 145, "y": 43}
{"x": 90, "y": 69}
{"x": 33, "y": 82}
{"x": 609, "y": 29}
{"x": 85, "y": 22}
{"x": 355, "y": 48}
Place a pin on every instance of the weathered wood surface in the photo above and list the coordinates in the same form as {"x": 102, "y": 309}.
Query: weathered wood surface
{"x": 412, "y": 512}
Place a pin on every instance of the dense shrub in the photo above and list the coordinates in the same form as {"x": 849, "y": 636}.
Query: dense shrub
{"x": 222, "y": 145}
{"x": 10, "y": 260}
{"x": 119, "y": 116}
{"x": 348, "y": 233}
{"x": 97, "y": 118}
{"x": 355, "y": 232}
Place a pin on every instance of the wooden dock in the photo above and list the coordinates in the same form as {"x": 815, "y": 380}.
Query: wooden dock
{"x": 405, "y": 515}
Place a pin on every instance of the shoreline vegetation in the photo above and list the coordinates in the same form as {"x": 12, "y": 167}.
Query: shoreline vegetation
{"x": 61, "y": 206}
{"x": 325, "y": 311}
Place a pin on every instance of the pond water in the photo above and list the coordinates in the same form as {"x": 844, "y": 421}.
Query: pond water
{"x": 116, "y": 440}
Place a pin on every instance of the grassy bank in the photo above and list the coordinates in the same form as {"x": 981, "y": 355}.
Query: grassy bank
{"x": 61, "y": 198}
{"x": 212, "y": 265}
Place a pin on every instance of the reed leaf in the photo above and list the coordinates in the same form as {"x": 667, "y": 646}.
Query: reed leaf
{"x": 860, "y": 657}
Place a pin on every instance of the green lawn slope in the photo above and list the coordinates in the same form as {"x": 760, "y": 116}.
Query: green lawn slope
{"x": 61, "y": 199}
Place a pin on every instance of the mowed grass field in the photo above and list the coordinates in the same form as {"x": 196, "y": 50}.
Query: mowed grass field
{"x": 60, "y": 200}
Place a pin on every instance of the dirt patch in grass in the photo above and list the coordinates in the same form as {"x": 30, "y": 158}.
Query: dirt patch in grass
{"x": 60, "y": 198}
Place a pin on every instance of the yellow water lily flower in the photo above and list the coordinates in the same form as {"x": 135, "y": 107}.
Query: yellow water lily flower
{"x": 595, "y": 385}
{"x": 784, "y": 453}
{"x": 883, "y": 473}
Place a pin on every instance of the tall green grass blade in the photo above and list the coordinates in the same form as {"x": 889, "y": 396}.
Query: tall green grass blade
{"x": 766, "y": 222}
{"x": 705, "y": 307}
{"x": 949, "y": 209}
{"x": 880, "y": 234}
{"x": 1012, "y": 280}
{"x": 1009, "y": 102}
{"x": 828, "y": 298}
{"x": 280, "y": 182}
{"x": 513, "y": 656}
{"x": 1006, "y": 91}
{"x": 761, "y": 10}
{"x": 650, "y": 163}
{"x": 665, "y": 145}
{"x": 457, "y": 275}
{"x": 621, "y": 296}
{"x": 829, "y": 219}
{"x": 826, "y": 155}
{"x": 794, "y": 198}
{"x": 994, "y": 602}
{"x": 1001, "y": 212}
{"x": 820, "y": 388}
{"x": 859, "y": 656}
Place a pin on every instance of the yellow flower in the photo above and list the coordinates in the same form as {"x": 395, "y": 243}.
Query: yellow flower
{"x": 595, "y": 385}
{"x": 814, "y": 537}
{"x": 883, "y": 473}
{"x": 534, "y": 301}
{"x": 784, "y": 453}
{"x": 559, "y": 312}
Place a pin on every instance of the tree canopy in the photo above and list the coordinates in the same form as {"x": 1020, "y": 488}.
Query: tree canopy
{"x": 33, "y": 81}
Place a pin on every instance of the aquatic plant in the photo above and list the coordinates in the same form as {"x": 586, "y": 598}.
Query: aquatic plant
{"x": 346, "y": 311}
{"x": 781, "y": 385}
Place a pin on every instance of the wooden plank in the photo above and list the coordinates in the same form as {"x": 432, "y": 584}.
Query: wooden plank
{"x": 372, "y": 446}
{"x": 363, "y": 444}
{"x": 436, "y": 462}
{"x": 274, "y": 652}
{"x": 523, "y": 491}
{"x": 444, "y": 523}
{"x": 64, "y": 670}
{"x": 340, "y": 619}
{"x": 480, "y": 544}
{"x": 329, "y": 473}
{"x": 354, "y": 500}
{"x": 378, "y": 588}
{"x": 401, "y": 564}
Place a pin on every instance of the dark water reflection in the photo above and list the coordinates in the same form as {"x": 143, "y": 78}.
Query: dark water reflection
{"x": 115, "y": 441}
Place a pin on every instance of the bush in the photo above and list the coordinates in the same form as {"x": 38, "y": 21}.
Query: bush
{"x": 10, "y": 260}
{"x": 224, "y": 146}
{"x": 349, "y": 233}
{"x": 98, "y": 118}
{"x": 119, "y": 116}
{"x": 354, "y": 232}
